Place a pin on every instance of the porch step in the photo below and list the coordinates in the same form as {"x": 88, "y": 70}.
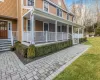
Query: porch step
{"x": 5, "y": 45}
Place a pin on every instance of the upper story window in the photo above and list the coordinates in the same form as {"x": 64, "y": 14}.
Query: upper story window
{"x": 59, "y": 12}
{"x": 46, "y": 6}
{"x": 30, "y": 2}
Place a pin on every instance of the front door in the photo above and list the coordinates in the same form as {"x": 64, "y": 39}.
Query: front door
{"x": 3, "y": 30}
{"x": 9, "y": 29}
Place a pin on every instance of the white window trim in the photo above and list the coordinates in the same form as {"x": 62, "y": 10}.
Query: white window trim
{"x": 27, "y": 3}
{"x": 59, "y": 14}
{"x": 48, "y": 6}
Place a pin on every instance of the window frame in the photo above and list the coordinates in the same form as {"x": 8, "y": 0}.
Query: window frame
{"x": 32, "y": 4}
{"x": 47, "y": 6}
{"x": 59, "y": 12}
{"x": 28, "y": 26}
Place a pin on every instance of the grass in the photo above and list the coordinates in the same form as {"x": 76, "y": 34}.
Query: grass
{"x": 86, "y": 67}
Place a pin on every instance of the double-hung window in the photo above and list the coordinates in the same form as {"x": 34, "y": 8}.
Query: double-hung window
{"x": 59, "y": 12}
{"x": 46, "y": 5}
{"x": 30, "y": 2}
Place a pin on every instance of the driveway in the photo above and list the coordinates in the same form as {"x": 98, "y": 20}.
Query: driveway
{"x": 11, "y": 68}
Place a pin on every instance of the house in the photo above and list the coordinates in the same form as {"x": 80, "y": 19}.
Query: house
{"x": 38, "y": 21}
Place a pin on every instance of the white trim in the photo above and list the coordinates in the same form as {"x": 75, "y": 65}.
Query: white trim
{"x": 10, "y": 28}
{"x": 48, "y": 6}
{"x": 54, "y": 15}
{"x": 27, "y": 12}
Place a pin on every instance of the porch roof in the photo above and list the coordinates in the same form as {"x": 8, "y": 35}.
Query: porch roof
{"x": 53, "y": 17}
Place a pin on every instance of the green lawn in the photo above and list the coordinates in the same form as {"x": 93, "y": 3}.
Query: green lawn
{"x": 86, "y": 67}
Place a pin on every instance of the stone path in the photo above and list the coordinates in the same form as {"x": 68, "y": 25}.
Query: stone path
{"x": 11, "y": 68}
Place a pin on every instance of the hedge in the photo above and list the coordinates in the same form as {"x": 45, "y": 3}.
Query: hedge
{"x": 81, "y": 40}
{"x": 32, "y": 51}
{"x": 20, "y": 49}
{"x": 50, "y": 48}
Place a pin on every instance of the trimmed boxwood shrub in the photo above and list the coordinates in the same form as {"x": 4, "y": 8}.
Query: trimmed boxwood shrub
{"x": 81, "y": 40}
{"x": 20, "y": 48}
{"x": 31, "y": 51}
{"x": 50, "y": 48}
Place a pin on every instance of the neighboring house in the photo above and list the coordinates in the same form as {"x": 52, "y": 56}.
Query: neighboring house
{"x": 38, "y": 21}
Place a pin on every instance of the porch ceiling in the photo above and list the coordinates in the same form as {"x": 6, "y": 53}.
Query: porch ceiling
{"x": 53, "y": 17}
{"x": 37, "y": 17}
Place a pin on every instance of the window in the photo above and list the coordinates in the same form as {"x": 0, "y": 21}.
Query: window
{"x": 30, "y": 2}
{"x": 46, "y": 6}
{"x": 59, "y": 12}
{"x": 46, "y": 27}
{"x": 28, "y": 26}
{"x": 59, "y": 29}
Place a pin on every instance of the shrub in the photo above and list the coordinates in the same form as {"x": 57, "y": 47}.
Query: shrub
{"x": 12, "y": 48}
{"x": 31, "y": 51}
{"x": 81, "y": 40}
{"x": 23, "y": 50}
{"x": 50, "y": 48}
{"x": 20, "y": 49}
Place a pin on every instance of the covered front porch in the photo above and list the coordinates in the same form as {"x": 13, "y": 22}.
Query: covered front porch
{"x": 39, "y": 29}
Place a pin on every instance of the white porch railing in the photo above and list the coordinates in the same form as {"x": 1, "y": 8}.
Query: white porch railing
{"x": 40, "y": 36}
{"x": 78, "y": 35}
{"x": 15, "y": 35}
{"x": 59, "y": 36}
{"x": 44, "y": 36}
{"x": 27, "y": 36}
{"x": 51, "y": 36}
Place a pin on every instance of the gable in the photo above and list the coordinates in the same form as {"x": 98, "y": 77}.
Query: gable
{"x": 60, "y": 3}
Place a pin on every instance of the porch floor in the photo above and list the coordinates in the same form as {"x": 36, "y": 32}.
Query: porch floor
{"x": 42, "y": 43}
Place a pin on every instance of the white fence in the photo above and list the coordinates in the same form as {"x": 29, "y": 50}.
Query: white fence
{"x": 44, "y": 36}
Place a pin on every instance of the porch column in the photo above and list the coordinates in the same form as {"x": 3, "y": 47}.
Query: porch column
{"x": 72, "y": 34}
{"x": 78, "y": 34}
{"x": 67, "y": 32}
{"x": 55, "y": 30}
{"x": 22, "y": 29}
{"x": 32, "y": 22}
{"x": 82, "y": 32}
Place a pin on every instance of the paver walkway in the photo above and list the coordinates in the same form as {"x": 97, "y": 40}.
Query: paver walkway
{"x": 11, "y": 68}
